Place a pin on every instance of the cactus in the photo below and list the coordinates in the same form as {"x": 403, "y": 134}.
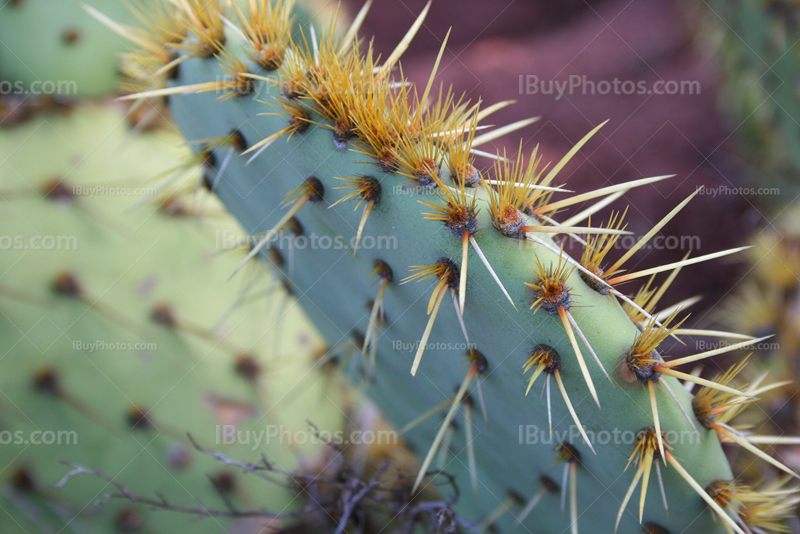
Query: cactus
{"x": 87, "y": 377}
{"x": 329, "y": 126}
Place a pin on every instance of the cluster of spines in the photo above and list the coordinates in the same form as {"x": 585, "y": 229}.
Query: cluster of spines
{"x": 369, "y": 111}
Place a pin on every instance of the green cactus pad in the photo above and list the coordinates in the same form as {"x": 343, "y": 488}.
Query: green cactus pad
{"x": 99, "y": 358}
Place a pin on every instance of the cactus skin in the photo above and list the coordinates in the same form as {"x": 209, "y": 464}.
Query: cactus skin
{"x": 334, "y": 291}
{"x": 129, "y": 263}
{"x": 59, "y": 42}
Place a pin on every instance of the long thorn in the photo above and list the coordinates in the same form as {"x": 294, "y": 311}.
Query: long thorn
{"x": 553, "y": 230}
{"x": 568, "y": 156}
{"x": 560, "y": 383}
{"x": 181, "y": 89}
{"x": 482, "y": 402}
{"x": 269, "y": 235}
{"x": 581, "y": 362}
{"x": 460, "y": 317}
{"x": 688, "y": 385}
{"x": 573, "y": 496}
{"x": 549, "y": 406}
{"x": 427, "y": 333}
{"x": 662, "y": 315}
{"x": 591, "y": 210}
{"x": 491, "y": 271}
{"x": 424, "y": 100}
{"x": 654, "y": 407}
{"x": 267, "y": 141}
{"x": 530, "y": 186}
{"x": 373, "y": 316}
{"x": 494, "y": 108}
{"x": 667, "y": 267}
{"x": 440, "y": 286}
{"x": 473, "y": 470}
{"x": 773, "y": 440}
{"x": 639, "y": 244}
{"x": 588, "y": 346}
{"x": 445, "y": 448}
{"x": 500, "y": 132}
{"x": 661, "y": 488}
{"x": 531, "y": 505}
{"x": 742, "y": 442}
{"x": 711, "y": 333}
{"x": 647, "y": 464}
{"x": 117, "y": 28}
{"x": 350, "y": 36}
{"x": 495, "y": 515}
{"x": 403, "y": 45}
{"x": 222, "y": 168}
{"x": 488, "y": 155}
{"x": 462, "y": 283}
{"x": 703, "y": 494}
{"x": 425, "y": 416}
{"x": 260, "y": 150}
{"x": 443, "y": 428}
{"x": 361, "y": 224}
{"x": 598, "y": 193}
{"x": 710, "y": 353}
{"x": 697, "y": 380}
{"x": 674, "y": 397}
{"x": 628, "y": 496}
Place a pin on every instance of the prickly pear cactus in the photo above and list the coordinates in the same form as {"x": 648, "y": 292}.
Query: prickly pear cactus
{"x": 113, "y": 347}
{"x": 451, "y": 280}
